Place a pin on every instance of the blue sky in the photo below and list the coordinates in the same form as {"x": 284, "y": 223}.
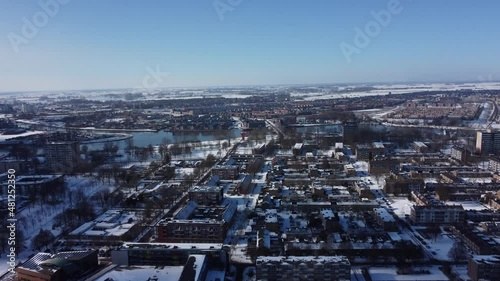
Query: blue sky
{"x": 96, "y": 44}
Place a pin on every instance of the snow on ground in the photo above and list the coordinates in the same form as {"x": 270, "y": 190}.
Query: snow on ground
{"x": 184, "y": 171}
{"x": 30, "y": 133}
{"x": 477, "y": 180}
{"x": 389, "y": 273}
{"x": 249, "y": 146}
{"x": 201, "y": 153}
{"x": 440, "y": 247}
{"x": 239, "y": 253}
{"x": 361, "y": 166}
{"x": 36, "y": 217}
{"x": 461, "y": 270}
{"x": 469, "y": 205}
{"x": 401, "y": 206}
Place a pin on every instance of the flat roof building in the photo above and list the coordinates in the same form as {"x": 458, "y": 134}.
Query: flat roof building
{"x": 303, "y": 268}
{"x": 57, "y": 267}
{"x": 484, "y": 267}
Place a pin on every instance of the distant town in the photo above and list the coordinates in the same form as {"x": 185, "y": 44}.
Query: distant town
{"x": 374, "y": 182}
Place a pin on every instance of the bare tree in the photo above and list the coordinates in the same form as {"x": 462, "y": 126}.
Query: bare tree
{"x": 457, "y": 252}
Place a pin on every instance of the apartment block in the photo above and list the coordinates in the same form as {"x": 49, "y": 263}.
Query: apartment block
{"x": 62, "y": 156}
{"x": 437, "y": 214}
{"x": 484, "y": 267}
{"x": 335, "y": 268}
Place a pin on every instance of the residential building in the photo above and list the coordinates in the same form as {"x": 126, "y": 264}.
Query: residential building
{"x": 396, "y": 184}
{"x": 303, "y": 268}
{"x": 62, "y": 156}
{"x": 113, "y": 225}
{"x": 494, "y": 165}
{"x": 484, "y": 267}
{"x": 165, "y": 254}
{"x": 385, "y": 219}
{"x": 226, "y": 172}
{"x": 488, "y": 142}
{"x": 206, "y": 195}
{"x": 350, "y": 132}
{"x": 193, "y": 224}
{"x": 420, "y": 147}
{"x": 19, "y": 165}
{"x": 475, "y": 240}
{"x": 385, "y": 165}
{"x": 460, "y": 153}
{"x": 370, "y": 151}
{"x": 35, "y": 184}
{"x": 437, "y": 214}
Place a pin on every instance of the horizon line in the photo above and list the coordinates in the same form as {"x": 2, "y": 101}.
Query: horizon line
{"x": 259, "y": 85}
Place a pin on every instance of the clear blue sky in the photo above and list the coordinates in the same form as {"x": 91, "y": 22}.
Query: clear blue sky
{"x": 95, "y": 44}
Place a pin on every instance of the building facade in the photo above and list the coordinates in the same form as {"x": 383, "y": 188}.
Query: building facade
{"x": 206, "y": 195}
{"x": 484, "y": 267}
{"x": 337, "y": 268}
{"x": 192, "y": 231}
{"x": 62, "y": 156}
{"x": 432, "y": 214}
{"x": 488, "y": 142}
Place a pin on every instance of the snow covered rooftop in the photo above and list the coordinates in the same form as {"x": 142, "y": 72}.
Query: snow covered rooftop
{"x": 136, "y": 273}
{"x": 111, "y": 223}
{"x": 323, "y": 259}
{"x": 487, "y": 259}
{"x": 384, "y": 215}
{"x": 389, "y": 273}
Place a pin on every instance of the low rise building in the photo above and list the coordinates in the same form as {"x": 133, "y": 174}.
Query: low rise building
{"x": 206, "y": 195}
{"x": 369, "y": 151}
{"x": 57, "y": 267}
{"x": 383, "y": 166}
{"x": 460, "y": 153}
{"x": 494, "y": 165}
{"x": 484, "y": 267}
{"x": 35, "y": 184}
{"x": 396, "y": 184}
{"x": 165, "y": 254}
{"x": 226, "y": 172}
{"x": 303, "y": 268}
{"x": 420, "y": 147}
{"x": 476, "y": 241}
{"x": 385, "y": 219}
{"x": 20, "y": 166}
{"x": 197, "y": 225}
{"x": 113, "y": 225}
{"x": 437, "y": 214}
